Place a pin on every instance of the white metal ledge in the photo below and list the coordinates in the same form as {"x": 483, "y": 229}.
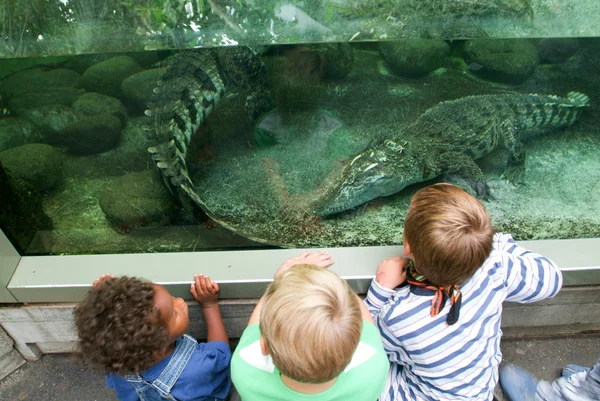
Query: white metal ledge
{"x": 245, "y": 274}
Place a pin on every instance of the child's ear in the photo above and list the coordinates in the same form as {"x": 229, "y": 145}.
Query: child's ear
{"x": 407, "y": 251}
{"x": 263, "y": 346}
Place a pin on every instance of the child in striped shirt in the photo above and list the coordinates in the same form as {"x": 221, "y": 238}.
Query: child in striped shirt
{"x": 438, "y": 308}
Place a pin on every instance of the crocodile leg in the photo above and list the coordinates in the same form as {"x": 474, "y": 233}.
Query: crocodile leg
{"x": 515, "y": 167}
{"x": 462, "y": 171}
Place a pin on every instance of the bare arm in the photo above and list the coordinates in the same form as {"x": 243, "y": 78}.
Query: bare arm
{"x": 206, "y": 292}
{"x": 255, "y": 317}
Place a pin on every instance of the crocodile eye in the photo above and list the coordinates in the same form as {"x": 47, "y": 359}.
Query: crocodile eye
{"x": 391, "y": 145}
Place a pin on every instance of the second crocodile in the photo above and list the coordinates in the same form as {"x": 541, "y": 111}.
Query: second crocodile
{"x": 446, "y": 139}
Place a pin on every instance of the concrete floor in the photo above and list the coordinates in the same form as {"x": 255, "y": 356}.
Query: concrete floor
{"x": 60, "y": 378}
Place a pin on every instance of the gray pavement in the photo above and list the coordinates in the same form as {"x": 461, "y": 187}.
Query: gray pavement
{"x": 61, "y": 378}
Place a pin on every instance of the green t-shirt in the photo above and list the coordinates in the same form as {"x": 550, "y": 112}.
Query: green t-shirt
{"x": 257, "y": 379}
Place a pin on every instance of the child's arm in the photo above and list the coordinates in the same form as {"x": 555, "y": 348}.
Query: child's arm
{"x": 206, "y": 292}
{"x": 320, "y": 258}
{"x": 390, "y": 274}
{"x": 530, "y": 277}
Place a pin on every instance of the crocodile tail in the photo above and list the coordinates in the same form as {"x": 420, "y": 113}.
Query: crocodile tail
{"x": 184, "y": 97}
{"x": 578, "y": 99}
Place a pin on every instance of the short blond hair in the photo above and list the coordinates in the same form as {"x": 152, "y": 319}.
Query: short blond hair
{"x": 311, "y": 323}
{"x": 449, "y": 233}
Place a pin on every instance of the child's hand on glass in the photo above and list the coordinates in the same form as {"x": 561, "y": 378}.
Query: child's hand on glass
{"x": 321, "y": 259}
{"x": 390, "y": 272}
{"x": 205, "y": 291}
{"x": 101, "y": 279}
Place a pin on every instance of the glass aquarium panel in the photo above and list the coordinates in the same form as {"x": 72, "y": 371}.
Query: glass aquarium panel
{"x": 33, "y": 28}
{"x": 306, "y": 145}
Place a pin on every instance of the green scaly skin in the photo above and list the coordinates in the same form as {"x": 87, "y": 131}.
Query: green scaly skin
{"x": 446, "y": 139}
{"x": 188, "y": 91}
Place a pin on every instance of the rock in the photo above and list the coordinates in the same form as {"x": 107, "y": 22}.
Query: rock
{"x": 45, "y": 97}
{"x": 137, "y": 199}
{"x": 12, "y": 65}
{"x": 16, "y": 131}
{"x": 92, "y": 134}
{"x": 94, "y": 103}
{"x": 557, "y": 50}
{"x": 339, "y": 59}
{"x": 36, "y": 79}
{"x": 414, "y": 56}
{"x": 50, "y": 120}
{"x": 131, "y": 154}
{"x": 106, "y": 77}
{"x": 38, "y": 164}
{"x": 505, "y": 60}
{"x": 138, "y": 88}
{"x": 22, "y": 214}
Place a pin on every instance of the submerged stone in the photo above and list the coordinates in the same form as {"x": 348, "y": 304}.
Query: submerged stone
{"x": 44, "y": 97}
{"x": 414, "y": 56}
{"x": 15, "y": 131}
{"x": 92, "y": 134}
{"x": 506, "y": 60}
{"x": 50, "y": 120}
{"x": 106, "y": 77}
{"x": 138, "y": 88}
{"x": 137, "y": 199}
{"x": 38, "y": 164}
{"x": 36, "y": 79}
{"x": 95, "y": 103}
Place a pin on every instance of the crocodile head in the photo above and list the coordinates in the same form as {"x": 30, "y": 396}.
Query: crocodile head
{"x": 378, "y": 171}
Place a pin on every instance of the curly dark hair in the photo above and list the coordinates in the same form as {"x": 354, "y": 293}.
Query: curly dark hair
{"x": 119, "y": 328}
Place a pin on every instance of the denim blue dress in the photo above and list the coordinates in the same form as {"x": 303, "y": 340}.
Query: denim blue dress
{"x": 199, "y": 368}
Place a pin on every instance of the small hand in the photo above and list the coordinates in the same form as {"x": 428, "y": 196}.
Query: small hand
{"x": 205, "y": 291}
{"x": 390, "y": 272}
{"x": 101, "y": 279}
{"x": 321, "y": 259}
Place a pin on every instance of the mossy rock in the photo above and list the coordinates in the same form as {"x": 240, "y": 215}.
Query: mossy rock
{"x": 15, "y": 131}
{"x": 38, "y": 164}
{"x": 414, "y": 56}
{"x": 92, "y": 134}
{"x": 339, "y": 59}
{"x": 19, "y": 104}
{"x": 50, "y": 120}
{"x": 139, "y": 87}
{"x": 106, "y": 77}
{"x": 92, "y": 104}
{"x": 22, "y": 213}
{"x": 137, "y": 199}
{"x": 36, "y": 79}
{"x": 557, "y": 50}
{"x": 507, "y": 60}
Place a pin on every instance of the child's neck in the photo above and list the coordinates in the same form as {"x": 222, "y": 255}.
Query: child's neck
{"x": 159, "y": 356}
{"x": 306, "y": 388}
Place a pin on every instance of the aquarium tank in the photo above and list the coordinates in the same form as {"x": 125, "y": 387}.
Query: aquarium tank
{"x": 138, "y": 126}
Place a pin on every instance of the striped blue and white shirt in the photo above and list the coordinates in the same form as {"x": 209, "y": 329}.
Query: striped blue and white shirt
{"x": 431, "y": 360}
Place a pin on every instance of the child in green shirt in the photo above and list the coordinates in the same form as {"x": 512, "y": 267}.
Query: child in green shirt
{"x": 309, "y": 338}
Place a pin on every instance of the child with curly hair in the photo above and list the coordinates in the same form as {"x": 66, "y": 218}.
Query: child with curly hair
{"x": 134, "y": 331}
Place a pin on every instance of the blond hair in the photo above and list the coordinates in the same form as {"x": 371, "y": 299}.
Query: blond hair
{"x": 311, "y": 323}
{"x": 449, "y": 233}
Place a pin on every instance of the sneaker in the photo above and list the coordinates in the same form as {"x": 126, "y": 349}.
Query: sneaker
{"x": 570, "y": 370}
{"x": 518, "y": 384}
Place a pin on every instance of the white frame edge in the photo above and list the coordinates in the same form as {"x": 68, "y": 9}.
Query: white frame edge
{"x": 245, "y": 274}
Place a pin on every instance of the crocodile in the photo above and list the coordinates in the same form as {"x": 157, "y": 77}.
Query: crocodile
{"x": 189, "y": 89}
{"x": 446, "y": 139}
